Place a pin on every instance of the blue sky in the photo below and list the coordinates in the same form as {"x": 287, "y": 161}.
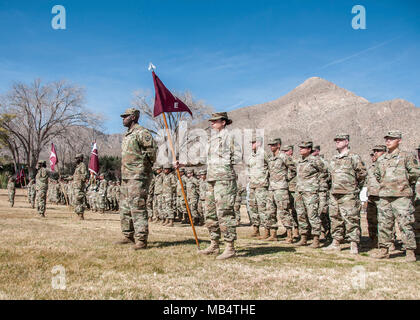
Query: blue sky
{"x": 229, "y": 53}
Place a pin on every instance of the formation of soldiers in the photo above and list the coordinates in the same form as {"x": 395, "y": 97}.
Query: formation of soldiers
{"x": 311, "y": 197}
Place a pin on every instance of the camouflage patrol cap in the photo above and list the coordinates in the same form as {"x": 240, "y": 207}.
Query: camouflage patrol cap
{"x": 318, "y": 147}
{"x": 274, "y": 141}
{"x": 202, "y": 172}
{"x": 342, "y": 136}
{"x": 156, "y": 167}
{"x": 287, "y": 147}
{"x": 255, "y": 139}
{"x": 167, "y": 166}
{"x": 42, "y": 162}
{"x": 79, "y": 155}
{"x": 306, "y": 144}
{"x": 379, "y": 147}
{"x": 190, "y": 170}
{"x": 129, "y": 112}
{"x": 220, "y": 116}
{"x": 394, "y": 134}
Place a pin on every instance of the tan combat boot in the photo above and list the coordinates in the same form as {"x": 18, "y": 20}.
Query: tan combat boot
{"x": 381, "y": 254}
{"x": 410, "y": 256}
{"x": 265, "y": 235}
{"x": 229, "y": 251}
{"x": 334, "y": 246}
{"x": 150, "y": 219}
{"x": 212, "y": 249}
{"x": 303, "y": 240}
{"x": 289, "y": 238}
{"x": 126, "y": 240}
{"x": 392, "y": 247}
{"x": 273, "y": 235}
{"x": 315, "y": 242}
{"x": 256, "y": 232}
{"x": 295, "y": 233}
{"x": 354, "y": 248}
{"x": 170, "y": 223}
{"x": 140, "y": 245}
{"x": 81, "y": 217}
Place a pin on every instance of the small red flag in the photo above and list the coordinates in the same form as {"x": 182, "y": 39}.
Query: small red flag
{"x": 94, "y": 160}
{"x": 53, "y": 157}
{"x": 165, "y": 101}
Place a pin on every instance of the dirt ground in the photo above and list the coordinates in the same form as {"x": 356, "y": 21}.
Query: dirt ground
{"x": 61, "y": 257}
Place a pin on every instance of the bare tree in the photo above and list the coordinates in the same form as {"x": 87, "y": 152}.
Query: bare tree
{"x": 41, "y": 113}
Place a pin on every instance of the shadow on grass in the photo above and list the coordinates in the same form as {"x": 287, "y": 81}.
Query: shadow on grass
{"x": 257, "y": 251}
{"x": 163, "y": 244}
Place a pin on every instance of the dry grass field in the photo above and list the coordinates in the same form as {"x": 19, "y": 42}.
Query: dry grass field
{"x": 95, "y": 268}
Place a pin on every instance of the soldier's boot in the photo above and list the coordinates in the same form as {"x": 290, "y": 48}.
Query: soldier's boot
{"x": 392, "y": 247}
{"x": 265, "y": 235}
{"x": 322, "y": 236}
{"x": 410, "y": 256}
{"x": 140, "y": 245}
{"x": 170, "y": 223}
{"x": 354, "y": 248}
{"x": 303, "y": 240}
{"x": 166, "y": 222}
{"x": 273, "y": 235}
{"x": 315, "y": 242}
{"x": 212, "y": 249}
{"x": 229, "y": 251}
{"x": 289, "y": 238}
{"x": 256, "y": 231}
{"x": 334, "y": 246}
{"x": 81, "y": 216}
{"x": 126, "y": 240}
{"x": 150, "y": 219}
{"x": 383, "y": 253}
{"x": 295, "y": 233}
{"x": 102, "y": 210}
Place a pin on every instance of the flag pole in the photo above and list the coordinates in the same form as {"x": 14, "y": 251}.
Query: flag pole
{"x": 180, "y": 181}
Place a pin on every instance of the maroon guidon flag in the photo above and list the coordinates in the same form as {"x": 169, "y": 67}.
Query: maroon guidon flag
{"x": 165, "y": 101}
{"x": 94, "y": 160}
{"x": 53, "y": 157}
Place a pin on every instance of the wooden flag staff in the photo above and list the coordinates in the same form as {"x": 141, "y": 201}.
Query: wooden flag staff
{"x": 180, "y": 180}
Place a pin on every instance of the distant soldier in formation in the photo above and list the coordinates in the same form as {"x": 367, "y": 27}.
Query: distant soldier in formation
{"x": 41, "y": 187}
{"x": 238, "y": 202}
{"x": 373, "y": 187}
{"x": 138, "y": 155}
{"x": 11, "y": 190}
{"x": 181, "y": 206}
{"x": 258, "y": 191}
{"x": 223, "y": 153}
{"x": 157, "y": 201}
{"x": 397, "y": 172}
{"x": 324, "y": 187}
{"x": 202, "y": 208}
{"x": 291, "y": 178}
{"x": 309, "y": 173}
{"x": 278, "y": 203}
{"x": 168, "y": 196}
{"x": 150, "y": 195}
{"x": 192, "y": 189}
{"x": 103, "y": 185}
{"x": 109, "y": 191}
{"x": 79, "y": 178}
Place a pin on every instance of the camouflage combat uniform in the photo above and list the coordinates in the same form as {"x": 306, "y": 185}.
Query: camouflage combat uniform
{"x": 41, "y": 190}
{"x": 79, "y": 187}
{"x": 258, "y": 189}
{"x": 192, "y": 189}
{"x": 11, "y": 190}
{"x": 103, "y": 184}
{"x": 278, "y": 203}
{"x": 201, "y": 208}
{"x": 180, "y": 202}
{"x": 324, "y": 187}
{"x": 238, "y": 202}
{"x": 138, "y": 155}
{"x": 397, "y": 173}
{"x": 309, "y": 173}
{"x": 157, "y": 200}
{"x": 150, "y": 193}
{"x": 223, "y": 152}
{"x": 169, "y": 195}
{"x": 348, "y": 174}
{"x": 32, "y": 192}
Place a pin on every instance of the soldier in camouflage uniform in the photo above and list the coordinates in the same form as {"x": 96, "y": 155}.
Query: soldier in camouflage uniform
{"x": 157, "y": 200}
{"x": 291, "y": 178}
{"x": 238, "y": 202}
{"x": 201, "y": 208}
{"x": 11, "y": 190}
{"x": 32, "y": 192}
{"x": 278, "y": 203}
{"x": 309, "y": 173}
{"x": 223, "y": 152}
{"x": 192, "y": 189}
{"x": 397, "y": 172}
{"x": 79, "y": 187}
{"x": 180, "y": 202}
{"x": 168, "y": 196}
{"x": 109, "y": 202}
{"x": 41, "y": 187}
{"x": 324, "y": 187}
{"x": 150, "y": 193}
{"x": 258, "y": 190}
{"x": 117, "y": 196}
{"x": 103, "y": 185}
{"x": 373, "y": 195}
{"x": 138, "y": 156}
